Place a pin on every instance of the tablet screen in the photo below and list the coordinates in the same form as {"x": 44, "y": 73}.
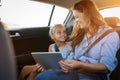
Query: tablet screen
{"x": 48, "y": 59}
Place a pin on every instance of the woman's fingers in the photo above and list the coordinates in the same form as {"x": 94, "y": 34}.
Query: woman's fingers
{"x": 65, "y": 66}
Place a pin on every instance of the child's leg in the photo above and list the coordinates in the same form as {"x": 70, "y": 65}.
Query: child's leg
{"x": 25, "y": 71}
{"x": 32, "y": 75}
{"x": 37, "y": 69}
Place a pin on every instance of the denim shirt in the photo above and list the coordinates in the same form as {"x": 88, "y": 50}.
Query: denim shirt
{"x": 103, "y": 52}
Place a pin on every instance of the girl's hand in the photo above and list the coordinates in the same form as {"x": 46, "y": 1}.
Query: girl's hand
{"x": 38, "y": 68}
{"x": 68, "y": 65}
{"x": 35, "y": 70}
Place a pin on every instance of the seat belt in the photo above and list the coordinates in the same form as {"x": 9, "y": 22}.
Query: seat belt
{"x": 101, "y": 37}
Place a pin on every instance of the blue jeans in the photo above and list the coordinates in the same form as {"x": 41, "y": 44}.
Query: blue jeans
{"x": 57, "y": 75}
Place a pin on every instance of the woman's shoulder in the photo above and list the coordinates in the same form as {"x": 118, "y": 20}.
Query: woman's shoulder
{"x": 110, "y": 35}
{"x": 113, "y": 31}
{"x": 102, "y": 30}
{"x": 113, "y": 34}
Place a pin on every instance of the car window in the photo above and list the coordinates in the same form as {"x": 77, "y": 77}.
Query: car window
{"x": 26, "y": 14}
{"x": 111, "y": 12}
{"x": 57, "y": 16}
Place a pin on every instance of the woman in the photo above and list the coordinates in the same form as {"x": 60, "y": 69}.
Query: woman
{"x": 100, "y": 60}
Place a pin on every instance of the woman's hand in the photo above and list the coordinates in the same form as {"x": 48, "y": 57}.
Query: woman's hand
{"x": 68, "y": 65}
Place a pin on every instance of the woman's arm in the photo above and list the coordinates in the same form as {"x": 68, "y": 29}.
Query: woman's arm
{"x": 92, "y": 68}
{"x": 83, "y": 67}
{"x": 107, "y": 60}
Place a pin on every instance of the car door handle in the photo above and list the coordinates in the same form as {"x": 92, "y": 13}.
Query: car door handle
{"x": 15, "y": 35}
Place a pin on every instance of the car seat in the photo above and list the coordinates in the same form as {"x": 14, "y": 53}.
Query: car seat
{"x": 7, "y": 62}
{"x": 112, "y": 21}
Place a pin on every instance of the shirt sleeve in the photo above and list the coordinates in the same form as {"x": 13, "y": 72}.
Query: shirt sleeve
{"x": 108, "y": 51}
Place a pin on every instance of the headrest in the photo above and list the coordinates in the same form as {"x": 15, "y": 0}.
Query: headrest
{"x": 112, "y": 21}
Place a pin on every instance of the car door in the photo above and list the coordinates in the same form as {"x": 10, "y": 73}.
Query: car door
{"x": 28, "y": 27}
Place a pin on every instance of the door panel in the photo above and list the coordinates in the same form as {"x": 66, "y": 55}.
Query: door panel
{"x": 29, "y": 40}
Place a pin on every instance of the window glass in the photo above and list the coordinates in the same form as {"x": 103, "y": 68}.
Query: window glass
{"x": 111, "y": 12}
{"x": 59, "y": 15}
{"x": 26, "y": 14}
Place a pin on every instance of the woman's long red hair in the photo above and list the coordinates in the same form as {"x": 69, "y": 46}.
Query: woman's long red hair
{"x": 93, "y": 20}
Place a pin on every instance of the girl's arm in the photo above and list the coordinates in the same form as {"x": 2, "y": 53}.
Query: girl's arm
{"x": 50, "y": 48}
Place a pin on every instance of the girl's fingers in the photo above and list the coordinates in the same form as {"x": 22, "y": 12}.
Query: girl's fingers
{"x": 37, "y": 67}
{"x": 40, "y": 69}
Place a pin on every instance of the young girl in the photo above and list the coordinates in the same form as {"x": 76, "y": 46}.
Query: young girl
{"x": 59, "y": 36}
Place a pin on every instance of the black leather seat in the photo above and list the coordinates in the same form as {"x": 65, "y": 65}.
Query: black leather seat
{"x": 7, "y": 62}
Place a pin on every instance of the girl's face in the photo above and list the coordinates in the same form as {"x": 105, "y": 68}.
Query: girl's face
{"x": 59, "y": 34}
{"x": 79, "y": 18}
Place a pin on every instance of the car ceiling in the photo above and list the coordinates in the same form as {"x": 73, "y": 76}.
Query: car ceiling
{"x": 102, "y": 4}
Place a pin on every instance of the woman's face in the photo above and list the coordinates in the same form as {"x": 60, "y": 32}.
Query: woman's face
{"x": 80, "y": 18}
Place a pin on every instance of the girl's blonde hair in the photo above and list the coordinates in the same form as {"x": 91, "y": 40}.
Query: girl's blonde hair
{"x": 93, "y": 20}
{"x": 52, "y": 29}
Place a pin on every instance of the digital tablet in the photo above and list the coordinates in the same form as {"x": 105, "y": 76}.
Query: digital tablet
{"x": 49, "y": 60}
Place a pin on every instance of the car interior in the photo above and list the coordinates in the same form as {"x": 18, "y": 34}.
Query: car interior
{"x": 36, "y": 39}
{"x": 7, "y": 60}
